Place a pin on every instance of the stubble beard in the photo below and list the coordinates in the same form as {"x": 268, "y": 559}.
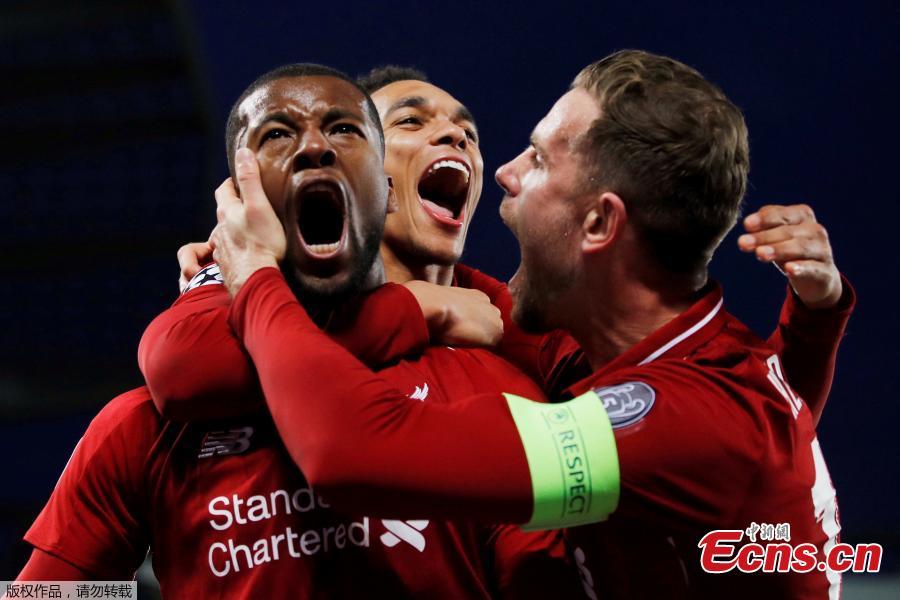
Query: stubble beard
{"x": 537, "y": 302}
{"x": 317, "y": 295}
{"x": 530, "y": 313}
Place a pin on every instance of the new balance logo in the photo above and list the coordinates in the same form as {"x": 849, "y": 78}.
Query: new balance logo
{"x": 404, "y": 531}
{"x": 421, "y": 392}
{"x": 222, "y": 443}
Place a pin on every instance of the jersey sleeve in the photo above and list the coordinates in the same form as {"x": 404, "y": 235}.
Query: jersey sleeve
{"x": 192, "y": 363}
{"x": 554, "y": 360}
{"x": 368, "y": 447}
{"x": 46, "y": 567}
{"x": 97, "y": 514}
{"x": 807, "y": 341}
{"x": 690, "y": 444}
{"x": 532, "y": 564}
{"x": 196, "y": 369}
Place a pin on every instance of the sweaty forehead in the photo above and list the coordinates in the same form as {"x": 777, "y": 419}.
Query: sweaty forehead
{"x": 306, "y": 96}
{"x": 568, "y": 120}
{"x": 434, "y": 97}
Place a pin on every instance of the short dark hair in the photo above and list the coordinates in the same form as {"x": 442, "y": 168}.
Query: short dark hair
{"x": 233, "y": 126}
{"x": 673, "y": 146}
{"x": 379, "y": 77}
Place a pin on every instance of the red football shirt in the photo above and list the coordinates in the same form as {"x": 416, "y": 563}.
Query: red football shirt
{"x": 722, "y": 444}
{"x": 196, "y": 369}
{"x": 807, "y": 341}
{"x": 228, "y": 514}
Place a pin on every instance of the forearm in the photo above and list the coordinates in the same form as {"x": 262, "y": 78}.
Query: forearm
{"x": 807, "y": 341}
{"x": 194, "y": 366}
{"x": 361, "y": 443}
{"x": 196, "y": 369}
{"x": 366, "y": 446}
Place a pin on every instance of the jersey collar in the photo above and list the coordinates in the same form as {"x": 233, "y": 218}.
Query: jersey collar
{"x": 677, "y": 338}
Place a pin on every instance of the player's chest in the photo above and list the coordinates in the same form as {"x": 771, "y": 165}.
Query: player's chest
{"x": 233, "y": 476}
{"x": 232, "y": 487}
{"x": 444, "y": 375}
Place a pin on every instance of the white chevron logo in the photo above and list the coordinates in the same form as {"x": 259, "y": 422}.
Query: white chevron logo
{"x": 587, "y": 580}
{"x": 421, "y": 392}
{"x": 404, "y": 531}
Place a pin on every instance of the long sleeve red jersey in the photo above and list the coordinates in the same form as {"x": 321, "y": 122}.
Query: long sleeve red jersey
{"x": 196, "y": 368}
{"x": 708, "y": 436}
{"x": 807, "y": 341}
{"x": 229, "y": 515}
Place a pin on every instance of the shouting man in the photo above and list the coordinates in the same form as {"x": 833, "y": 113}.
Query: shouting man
{"x": 224, "y": 509}
{"x": 685, "y": 423}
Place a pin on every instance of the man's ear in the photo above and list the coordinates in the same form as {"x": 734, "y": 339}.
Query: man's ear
{"x": 604, "y": 222}
{"x": 392, "y": 204}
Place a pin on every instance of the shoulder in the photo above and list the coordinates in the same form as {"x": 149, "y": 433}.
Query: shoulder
{"x": 125, "y": 411}
{"x": 507, "y": 376}
{"x": 725, "y": 386}
{"x": 478, "y": 370}
{"x": 742, "y": 366}
{"x": 96, "y": 514}
{"x": 128, "y": 421}
{"x": 733, "y": 365}
{"x": 734, "y": 343}
{"x": 468, "y": 277}
{"x": 111, "y": 459}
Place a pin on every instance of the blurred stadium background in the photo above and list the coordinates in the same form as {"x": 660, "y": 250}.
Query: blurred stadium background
{"x": 112, "y": 115}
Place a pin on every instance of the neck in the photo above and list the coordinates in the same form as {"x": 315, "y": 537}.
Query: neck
{"x": 620, "y": 313}
{"x": 402, "y": 269}
{"x": 322, "y": 308}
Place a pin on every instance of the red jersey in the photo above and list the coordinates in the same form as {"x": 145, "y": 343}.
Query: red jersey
{"x": 806, "y": 340}
{"x": 709, "y": 435}
{"x": 228, "y": 514}
{"x": 196, "y": 369}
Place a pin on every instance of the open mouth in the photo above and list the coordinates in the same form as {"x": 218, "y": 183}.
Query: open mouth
{"x": 443, "y": 190}
{"x": 321, "y": 217}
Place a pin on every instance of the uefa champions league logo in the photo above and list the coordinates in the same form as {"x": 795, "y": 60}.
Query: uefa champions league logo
{"x": 627, "y": 403}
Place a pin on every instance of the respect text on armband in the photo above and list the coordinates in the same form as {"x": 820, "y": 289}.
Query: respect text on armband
{"x": 573, "y": 461}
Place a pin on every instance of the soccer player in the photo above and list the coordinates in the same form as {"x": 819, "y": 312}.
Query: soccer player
{"x": 420, "y": 244}
{"x": 414, "y": 115}
{"x": 224, "y": 509}
{"x": 686, "y": 423}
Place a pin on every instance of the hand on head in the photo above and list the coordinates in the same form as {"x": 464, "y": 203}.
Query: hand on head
{"x": 248, "y": 236}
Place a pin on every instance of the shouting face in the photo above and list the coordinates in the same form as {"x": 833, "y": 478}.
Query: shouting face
{"x": 433, "y": 159}
{"x": 321, "y": 167}
{"x": 543, "y": 208}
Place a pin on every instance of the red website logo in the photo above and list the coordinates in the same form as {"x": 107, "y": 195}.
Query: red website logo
{"x": 721, "y": 553}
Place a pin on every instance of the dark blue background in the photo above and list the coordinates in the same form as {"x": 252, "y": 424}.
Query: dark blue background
{"x": 102, "y": 183}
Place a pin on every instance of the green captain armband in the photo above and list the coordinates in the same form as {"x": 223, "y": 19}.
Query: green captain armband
{"x": 571, "y": 452}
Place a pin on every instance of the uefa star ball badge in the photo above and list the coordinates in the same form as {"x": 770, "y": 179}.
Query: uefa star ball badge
{"x": 627, "y": 403}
